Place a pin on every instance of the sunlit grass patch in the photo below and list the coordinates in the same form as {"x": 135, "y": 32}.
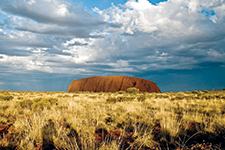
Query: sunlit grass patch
{"x": 87, "y": 120}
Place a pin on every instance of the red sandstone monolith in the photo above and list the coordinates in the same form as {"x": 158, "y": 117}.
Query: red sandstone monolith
{"x": 112, "y": 84}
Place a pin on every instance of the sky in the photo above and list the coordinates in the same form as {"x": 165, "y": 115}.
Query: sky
{"x": 46, "y": 44}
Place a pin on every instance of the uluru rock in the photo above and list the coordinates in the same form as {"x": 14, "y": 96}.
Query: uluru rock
{"x": 112, "y": 84}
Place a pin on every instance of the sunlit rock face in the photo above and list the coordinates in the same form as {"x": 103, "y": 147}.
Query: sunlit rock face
{"x": 112, "y": 84}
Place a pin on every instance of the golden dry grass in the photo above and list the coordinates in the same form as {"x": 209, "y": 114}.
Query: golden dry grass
{"x": 182, "y": 120}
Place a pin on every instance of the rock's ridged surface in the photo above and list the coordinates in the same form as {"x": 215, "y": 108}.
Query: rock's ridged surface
{"x": 112, "y": 84}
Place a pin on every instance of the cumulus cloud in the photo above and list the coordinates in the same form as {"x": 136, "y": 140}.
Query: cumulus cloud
{"x": 181, "y": 29}
{"x": 52, "y": 17}
{"x": 50, "y": 12}
{"x": 62, "y": 37}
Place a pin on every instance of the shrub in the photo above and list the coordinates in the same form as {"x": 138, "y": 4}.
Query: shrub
{"x": 133, "y": 90}
{"x": 188, "y": 92}
{"x": 46, "y": 100}
{"x": 205, "y": 91}
{"x": 4, "y": 92}
{"x": 51, "y": 100}
{"x": 161, "y": 96}
{"x": 75, "y": 95}
{"x": 37, "y": 100}
{"x": 121, "y": 92}
{"x": 121, "y": 98}
{"x": 150, "y": 96}
{"x": 4, "y": 107}
{"x": 130, "y": 98}
{"x": 26, "y": 103}
{"x": 111, "y": 100}
{"x": 19, "y": 98}
{"x": 125, "y": 98}
{"x": 41, "y": 105}
{"x": 141, "y": 98}
{"x": 62, "y": 107}
{"x": 93, "y": 97}
{"x": 179, "y": 97}
{"x": 195, "y": 92}
{"x": 64, "y": 96}
{"x": 101, "y": 93}
{"x": 6, "y": 97}
{"x": 188, "y": 97}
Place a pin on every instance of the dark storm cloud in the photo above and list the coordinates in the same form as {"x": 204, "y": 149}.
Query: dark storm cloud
{"x": 15, "y": 52}
{"x": 56, "y": 52}
{"x": 210, "y": 64}
{"x": 51, "y": 12}
{"x": 57, "y": 18}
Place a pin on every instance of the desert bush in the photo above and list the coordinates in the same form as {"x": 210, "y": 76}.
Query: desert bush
{"x": 195, "y": 92}
{"x": 101, "y": 93}
{"x": 45, "y": 100}
{"x": 207, "y": 97}
{"x": 179, "y": 97}
{"x": 20, "y": 98}
{"x": 108, "y": 93}
{"x": 121, "y": 92}
{"x": 188, "y": 97}
{"x": 133, "y": 90}
{"x": 141, "y": 98}
{"x": 4, "y": 107}
{"x": 125, "y": 98}
{"x": 205, "y": 91}
{"x": 121, "y": 98}
{"x": 59, "y": 96}
{"x": 25, "y": 103}
{"x": 4, "y": 92}
{"x": 36, "y": 100}
{"x": 188, "y": 92}
{"x": 75, "y": 95}
{"x": 111, "y": 100}
{"x": 200, "y": 93}
{"x": 6, "y": 97}
{"x": 150, "y": 96}
{"x": 93, "y": 97}
{"x": 62, "y": 107}
{"x": 161, "y": 96}
{"x": 41, "y": 105}
{"x": 64, "y": 96}
{"x": 51, "y": 100}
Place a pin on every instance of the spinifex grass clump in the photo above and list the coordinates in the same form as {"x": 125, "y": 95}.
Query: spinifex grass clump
{"x": 115, "y": 121}
{"x": 25, "y": 103}
{"x": 38, "y": 103}
{"x": 6, "y": 97}
{"x": 111, "y": 100}
{"x": 141, "y": 98}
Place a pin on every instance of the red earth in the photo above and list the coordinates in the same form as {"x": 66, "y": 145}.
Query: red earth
{"x": 112, "y": 84}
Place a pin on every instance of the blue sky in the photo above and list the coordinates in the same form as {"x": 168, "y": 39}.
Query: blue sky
{"x": 45, "y": 44}
{"x": 104, "y": 4}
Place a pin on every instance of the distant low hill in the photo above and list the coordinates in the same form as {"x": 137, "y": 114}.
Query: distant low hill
{"x": 112, "y": 84}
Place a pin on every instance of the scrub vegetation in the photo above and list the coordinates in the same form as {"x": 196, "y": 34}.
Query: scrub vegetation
{"x": 117, "y": 121}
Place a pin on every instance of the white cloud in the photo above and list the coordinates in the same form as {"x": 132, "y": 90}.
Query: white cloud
{"x": 55, "y": 36}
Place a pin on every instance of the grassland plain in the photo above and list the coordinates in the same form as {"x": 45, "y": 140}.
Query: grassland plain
{"x": 122, "y": 120}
